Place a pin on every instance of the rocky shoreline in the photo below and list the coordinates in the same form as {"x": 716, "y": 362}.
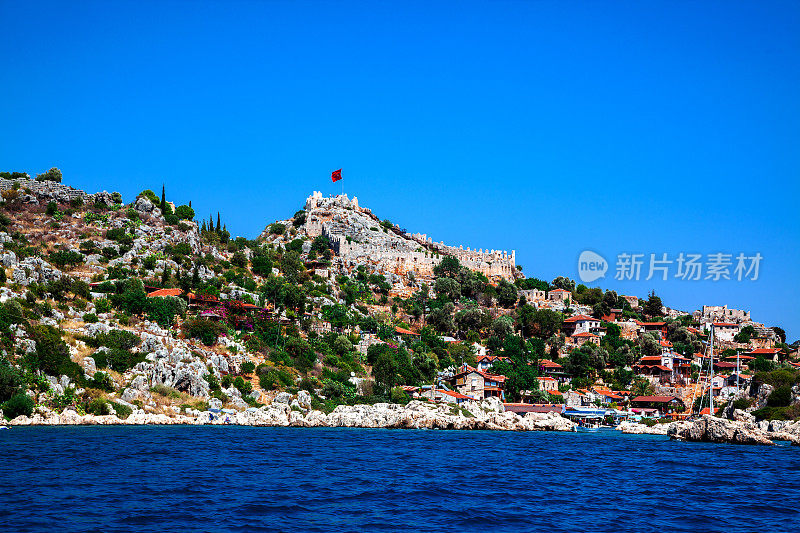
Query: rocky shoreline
{"x": 288, "y": 411}
{"x": 743, "y": 429}
{"x": 486, "y": 415}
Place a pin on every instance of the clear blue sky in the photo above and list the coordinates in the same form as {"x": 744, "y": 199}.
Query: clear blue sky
{"x": 547, "y": 127}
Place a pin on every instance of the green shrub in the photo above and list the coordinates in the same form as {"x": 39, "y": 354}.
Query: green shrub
{"x": 52, "y": 208}
{"x": 182, "y": 248}
{"x": 102, "y": 305}
{"x": 741, "y": 403}
{"x": 90, "y": 318}
{"x": 123, "y": 411}
{"x": 18, "y": 405}
{"x": 248, "y": 367}
{"x": 122, "y": 360}
{"x": 204, "y": 330}
{"x": 780, "y": 397}
{"x": 239, "y": 260}
{"x": 149, "y": 262}
{"x": 101, "y": 381}
{"x": 150, "y": 195}
{"x": 163, "y": 390}
{"x": 118, "y": 339}
{"x": 398, "y": 395}
{"x": 98, "y": 407}
{"x": 63, "y": 259}
{"x": 53, "y": 174}
{"x": 184, "y": 212}
{"x": 271, "y": 378}
{"x": 119, "y": 235}
{"x": 52, "y": 354}
{"x": 164, "y": 310}
{"x": 10, "y": 382}
{"x": 277, "y": 228}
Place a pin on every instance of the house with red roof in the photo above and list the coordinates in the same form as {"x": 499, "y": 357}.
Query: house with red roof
{"x": 546, "y": 383}
{"x": 161, "y": 293}
{"x": 554, "y": 370}
{"x": 559, "y": 295}
{"x": 485, "y": 362}
{"x": 478, "y": 383}
{"x": 771, "y": 354}
{"x": 582, "y": 338}
{"x": 581, "y": 324}
{"x": 664, "y": 404}
{"x": 659, "y": 328}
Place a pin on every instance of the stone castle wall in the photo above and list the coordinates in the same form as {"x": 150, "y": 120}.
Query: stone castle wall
{"x": 359, "y": 239}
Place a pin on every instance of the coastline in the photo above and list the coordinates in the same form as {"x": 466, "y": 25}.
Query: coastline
{"x": 414, "y": 415}
{"x": 484, "y": 416}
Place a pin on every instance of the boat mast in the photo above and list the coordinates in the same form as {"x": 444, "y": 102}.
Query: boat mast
{"x": 711, "y": 371}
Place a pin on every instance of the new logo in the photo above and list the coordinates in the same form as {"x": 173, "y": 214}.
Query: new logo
{"x": 591, "y": 266}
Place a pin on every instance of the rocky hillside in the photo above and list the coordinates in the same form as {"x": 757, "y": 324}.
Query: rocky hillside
{"x": 136, "y": 308}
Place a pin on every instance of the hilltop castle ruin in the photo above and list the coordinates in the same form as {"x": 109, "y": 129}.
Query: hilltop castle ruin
{"x": 359, "y": 238}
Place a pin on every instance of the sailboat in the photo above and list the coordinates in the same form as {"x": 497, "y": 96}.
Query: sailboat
{"x": 708, "y": 384}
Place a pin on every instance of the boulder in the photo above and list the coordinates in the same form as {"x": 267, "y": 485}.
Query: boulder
{"x": 713, "y": 429}
{"x": 143, "y": 205}
{"x": 283, "y": 397}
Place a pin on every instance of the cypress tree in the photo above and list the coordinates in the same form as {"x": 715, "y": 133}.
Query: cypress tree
{"x": 219, "y": 227}
{"x": 203, "y": 228}
{"x": 196, "y": 276}
{"x": 163, "y": 200}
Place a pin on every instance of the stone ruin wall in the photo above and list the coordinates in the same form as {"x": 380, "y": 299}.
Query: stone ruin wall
{"x": 51, "y": 189}
{"x": 399, "y": 260}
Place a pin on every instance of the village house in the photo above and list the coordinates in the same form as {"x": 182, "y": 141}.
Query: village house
{"x": 559, "y": 295}
{"x": 771, "y": 354}
{"x": 659, "y": 328}
{"x": 532, "y": 295}
{"x": 478, "y": 383}
{"x": 485, "y": 362}
{"x": 726, "y": 331}
{"x": 579, "y": 339}
{"x": 574, "y": 398}
{"x": 448, "y": 396}
{"x": 554, "y": 370}
{"x": 663, "y": 404}
{"x": 547, "y": 384}
{"x": 633, "y": 301}
{"x": 580, "y": 324}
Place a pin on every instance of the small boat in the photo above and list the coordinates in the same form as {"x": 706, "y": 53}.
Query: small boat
{"x": 4, "y": 427}
{"x": 590, "y": 424}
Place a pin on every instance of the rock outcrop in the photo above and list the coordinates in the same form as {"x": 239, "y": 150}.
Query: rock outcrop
{"x": 714, "y": 429}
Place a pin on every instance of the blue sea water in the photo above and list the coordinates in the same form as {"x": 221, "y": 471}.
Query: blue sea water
{"x": 152, "y": 478}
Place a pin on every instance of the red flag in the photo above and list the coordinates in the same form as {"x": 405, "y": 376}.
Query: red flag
{"x": 336, "y": 175}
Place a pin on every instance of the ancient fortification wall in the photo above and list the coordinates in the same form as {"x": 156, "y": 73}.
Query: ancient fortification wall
{"x": 358, "y": 238}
